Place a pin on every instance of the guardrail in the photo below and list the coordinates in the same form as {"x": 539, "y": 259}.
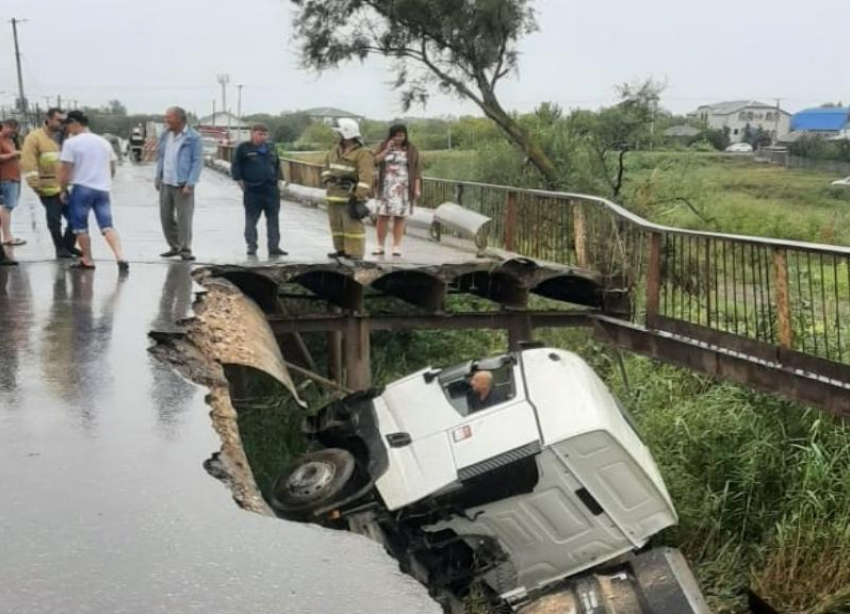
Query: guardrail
{"x": 764, "y": 297}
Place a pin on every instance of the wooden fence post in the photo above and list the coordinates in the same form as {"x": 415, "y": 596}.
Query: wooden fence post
{"x": 783, "y": 300}
{"x": 580, "y": 231}
{"x": 653, "y": 279}
{"x": 510, "y": 220}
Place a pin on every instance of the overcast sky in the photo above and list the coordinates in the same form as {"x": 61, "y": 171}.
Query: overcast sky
{"x": 152, "y": 53}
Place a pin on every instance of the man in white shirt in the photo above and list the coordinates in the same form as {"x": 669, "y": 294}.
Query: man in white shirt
{"x": 88, "y": 163}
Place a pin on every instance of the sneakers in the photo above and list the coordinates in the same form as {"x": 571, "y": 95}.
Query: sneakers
{"x": 337, "y": 254}
{"x": 170, "y": 253}
{"x": 276, "y": 251}
{"x": 64, "y": 252}
{"x": 252, "y": 251}
{"x": 186, "y": 256}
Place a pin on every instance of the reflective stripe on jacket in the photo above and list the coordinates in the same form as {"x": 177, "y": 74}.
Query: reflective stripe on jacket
{"x": 40, "y": 162}
{"x": 347, "y": 174}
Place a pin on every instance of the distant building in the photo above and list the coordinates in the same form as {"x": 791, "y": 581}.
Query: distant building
{"x": 829, "y": 122}
{"x": 329, "y": 115}
{"x": 222, "y": 128}
{"x": 736, "y": 115}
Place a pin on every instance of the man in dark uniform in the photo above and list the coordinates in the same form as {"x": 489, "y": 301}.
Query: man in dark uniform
{"x": 483, "y": 394}
{"x": 256, "y": 167}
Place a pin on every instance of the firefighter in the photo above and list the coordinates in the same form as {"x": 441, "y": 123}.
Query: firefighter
{"x": 40, "y": 165}
{"x": 348, "y": 174}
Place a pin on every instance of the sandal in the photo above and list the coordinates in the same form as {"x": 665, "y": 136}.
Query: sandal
{"x": 79, "y": 264}
{"x": 15, "y": 242}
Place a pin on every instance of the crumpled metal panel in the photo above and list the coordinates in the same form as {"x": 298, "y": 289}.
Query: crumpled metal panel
{"x": 232, "y": 329}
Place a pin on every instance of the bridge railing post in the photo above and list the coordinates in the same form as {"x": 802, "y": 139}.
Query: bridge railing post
{"x": 580, "y": 231}
{"x": 653, "y": 279}
{"x": 510, "y": 220}
{"x": 785, "y": 333}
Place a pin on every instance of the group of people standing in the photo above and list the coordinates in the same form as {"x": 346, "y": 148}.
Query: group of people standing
{"x": 60, "y": 153}
{"x": 71, "y": 171}
{"x": 349, "y": 178}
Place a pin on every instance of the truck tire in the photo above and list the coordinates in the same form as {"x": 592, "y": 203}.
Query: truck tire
{"x": 312, "y": 482}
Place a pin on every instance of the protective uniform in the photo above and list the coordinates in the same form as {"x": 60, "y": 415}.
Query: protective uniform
{"x": 346, "y": 176}
{"x": 40, "y": 167}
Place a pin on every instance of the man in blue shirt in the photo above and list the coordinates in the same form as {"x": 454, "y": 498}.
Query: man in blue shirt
{"x": 256, "y": 168}
{"x": 180, "y": 158}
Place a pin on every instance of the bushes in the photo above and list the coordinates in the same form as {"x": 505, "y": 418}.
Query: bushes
{"x": 818, "y": 148}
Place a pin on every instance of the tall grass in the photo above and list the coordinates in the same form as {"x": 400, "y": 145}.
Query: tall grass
{"x": 762, "y": 487}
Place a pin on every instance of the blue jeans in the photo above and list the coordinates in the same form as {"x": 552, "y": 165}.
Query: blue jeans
{"x": 55, "y": 211}
{"x": 258, "y": 202}
{"x": 9, "y": 193}
{"x": 83, "y": 200}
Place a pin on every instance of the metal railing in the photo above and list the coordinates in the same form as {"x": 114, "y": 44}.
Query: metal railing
{"x": 750, "y": 294}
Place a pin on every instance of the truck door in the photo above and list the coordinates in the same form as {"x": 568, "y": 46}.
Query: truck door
{"x": 496, "y": 435}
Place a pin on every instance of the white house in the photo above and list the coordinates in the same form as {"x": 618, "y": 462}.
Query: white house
{"x": 222, "y": 127}
{"x": 736, "y": 115}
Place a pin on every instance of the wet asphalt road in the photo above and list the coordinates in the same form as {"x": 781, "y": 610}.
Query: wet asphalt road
{"x": 105, "y": 505}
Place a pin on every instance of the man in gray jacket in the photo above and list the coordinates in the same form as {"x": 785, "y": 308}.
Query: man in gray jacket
{"x": 179, "y": 160}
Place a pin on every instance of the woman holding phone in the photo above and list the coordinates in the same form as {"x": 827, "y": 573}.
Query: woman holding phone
{"x": 399, "y": 185}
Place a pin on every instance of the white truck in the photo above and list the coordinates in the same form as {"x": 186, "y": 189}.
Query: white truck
{"x": 548, "y": 497}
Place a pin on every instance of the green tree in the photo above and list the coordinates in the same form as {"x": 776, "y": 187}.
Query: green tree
{"x": 116, "y": 107}
{"x": 318, "y": 135}
{"x": 473, "y": 132}
{"x": 612, "y": 132}
{"x": 719, "y": 139}
{"x": 285, "y": 128}
{"x": 464, "y": 48}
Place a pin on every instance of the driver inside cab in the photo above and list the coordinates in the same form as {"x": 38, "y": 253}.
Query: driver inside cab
{"x": 482, "y": 393}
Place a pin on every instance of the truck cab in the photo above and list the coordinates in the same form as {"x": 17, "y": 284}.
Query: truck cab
{"x": 549, "y": 481}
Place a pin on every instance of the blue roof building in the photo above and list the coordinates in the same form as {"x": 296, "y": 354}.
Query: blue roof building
{"x": 823, "y": 120}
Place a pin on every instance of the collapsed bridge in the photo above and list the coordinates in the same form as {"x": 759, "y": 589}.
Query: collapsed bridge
{"x": 760, "y": 312}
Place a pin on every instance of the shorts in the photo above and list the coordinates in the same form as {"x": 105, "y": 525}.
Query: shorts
{"x": 9, "y": 193}
{"x": 81, "y": 201}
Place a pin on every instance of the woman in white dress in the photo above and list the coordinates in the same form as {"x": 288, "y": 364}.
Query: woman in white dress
{"x": 399, "y": 185}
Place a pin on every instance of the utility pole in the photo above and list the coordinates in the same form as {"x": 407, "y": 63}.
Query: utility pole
{"x": 22, "y": 99}
{"x": 47, "y": 100}
{"x": 223, "y": 79}
{"x": 776, "y": 123}
{"x": 59, "y": 100}
{"x": 239, "y": 111}
{"x": 213, "y": 123}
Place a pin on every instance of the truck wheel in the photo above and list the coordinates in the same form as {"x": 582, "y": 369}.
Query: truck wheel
{"x": 312, "y": 482}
